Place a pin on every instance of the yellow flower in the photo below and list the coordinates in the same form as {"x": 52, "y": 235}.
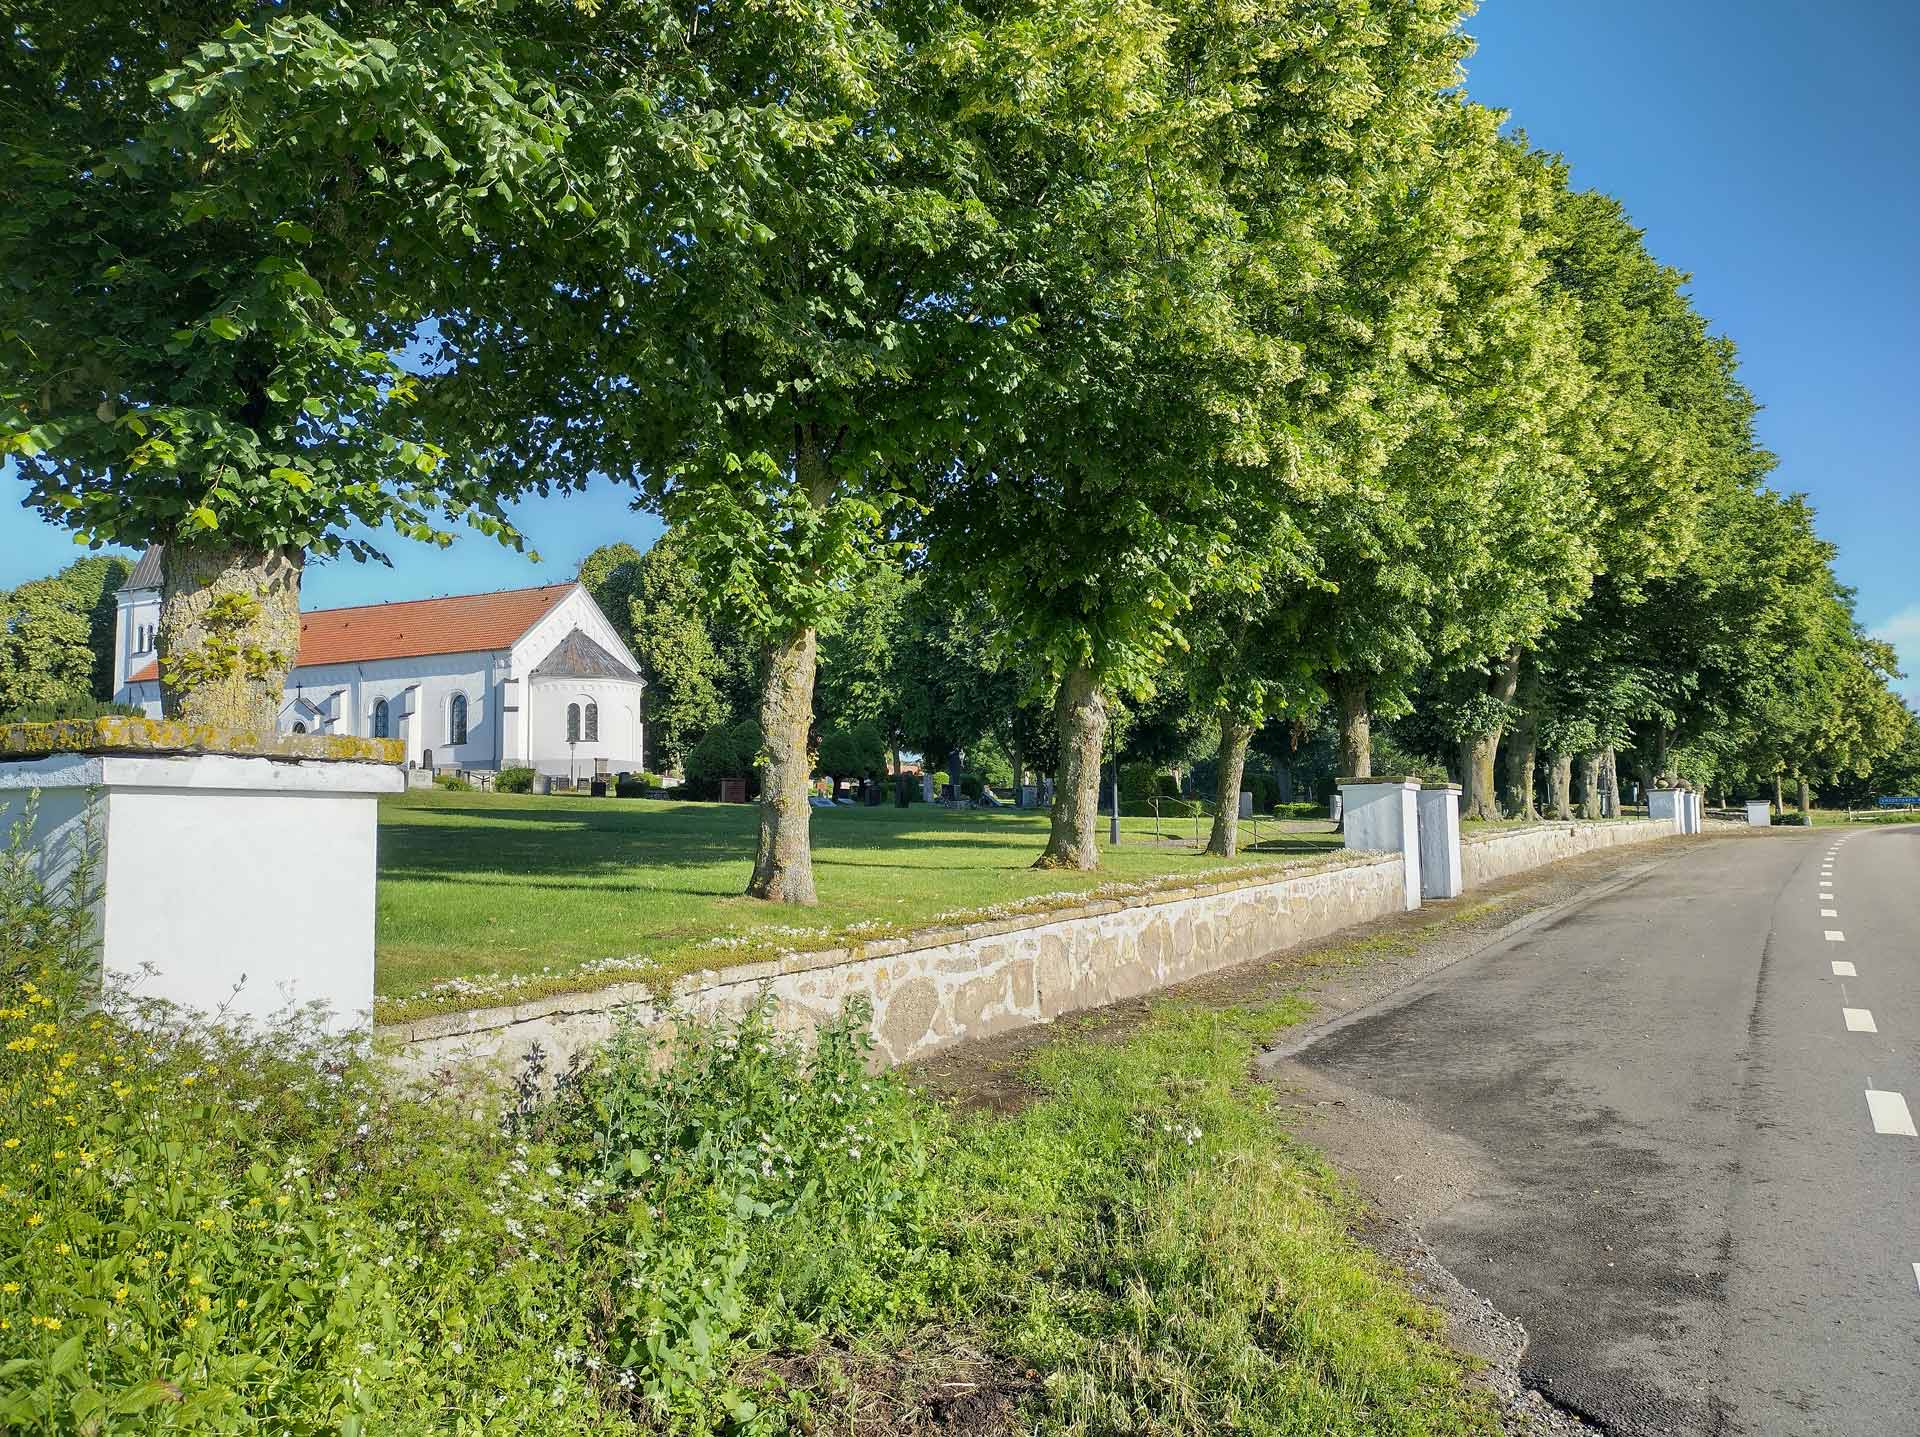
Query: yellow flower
{"x": 53, "y": 1324}
{"x": 194, "y": 1281}
{"x": 205, "y": 1303}
{"x": 240, "y": 1302}
{"x": 12, "y": 1142}
{"x": 189, "y": 1323}
{"x": 34, "y": 1219}
{"x": 9, "y": 1287}
{"x": 120, "y": 1294}
{"x": 62, "y": 1248}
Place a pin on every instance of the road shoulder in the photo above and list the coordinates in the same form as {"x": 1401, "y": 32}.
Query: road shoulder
{"x": 1401, "y": 1169}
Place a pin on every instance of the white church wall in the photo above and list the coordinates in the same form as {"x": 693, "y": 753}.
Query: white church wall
{"x": 620, "y": 731}
{"x": 419, "y": 694}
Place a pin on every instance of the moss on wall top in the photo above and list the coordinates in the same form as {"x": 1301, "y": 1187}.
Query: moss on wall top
{"x": 158, "y": 736}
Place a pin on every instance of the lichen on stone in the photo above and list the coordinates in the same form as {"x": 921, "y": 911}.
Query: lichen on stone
{"x": 170, "y": 736}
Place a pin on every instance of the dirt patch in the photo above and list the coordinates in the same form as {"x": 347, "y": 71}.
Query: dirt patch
{"x": 938, "y": 1383}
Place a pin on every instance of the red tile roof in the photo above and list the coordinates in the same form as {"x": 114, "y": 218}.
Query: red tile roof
{"x": 466, "y": 623}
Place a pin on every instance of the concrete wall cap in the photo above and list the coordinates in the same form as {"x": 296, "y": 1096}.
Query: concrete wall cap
{"x": 155, "y": 737}
{"x": 1404, "y": 780}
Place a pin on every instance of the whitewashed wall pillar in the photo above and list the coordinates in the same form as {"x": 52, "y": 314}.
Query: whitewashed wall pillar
{"x": 1440, "y": 873}
{"x": 1381, "y": 815}
{"x": 1669, "y": 806}
{"x": 243, "y": 880}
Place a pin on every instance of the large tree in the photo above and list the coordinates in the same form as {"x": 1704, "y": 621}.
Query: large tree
{"x": 1163, "y": 388}
{"x": 773, "y": 375}
{"x": 235, "y": 219}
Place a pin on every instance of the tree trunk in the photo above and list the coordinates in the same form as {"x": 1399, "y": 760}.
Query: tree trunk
{"x": 1477, "y": 753}
{"x": 1561, "y": 765}
{"x": 1235, "y": 735}
{"x": 1080, "y": 714}
{"x": 783, "y": 866}
{"x": 1356, "y": 726}
{"x": 1779, "y": 798}
{"x": 1522, "y": 754}
{"x": 1806, "y": 798}
{"x": 229, "y": 631}
{"x": 1610, "y": 783}
{"x": 1019, "y": 757}
{"x": 1590, "y": 784}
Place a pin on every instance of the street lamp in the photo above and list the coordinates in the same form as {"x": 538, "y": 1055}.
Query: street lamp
{"x": 573, "y": 776}
{"x": 1113, "y": 824}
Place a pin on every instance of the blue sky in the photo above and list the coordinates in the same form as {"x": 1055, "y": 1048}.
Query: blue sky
{"x": 1768, "y": 148}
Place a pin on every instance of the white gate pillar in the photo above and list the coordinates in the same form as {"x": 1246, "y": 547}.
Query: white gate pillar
{"x": 243, "y": 877}
{"x": 1381, "y": 815}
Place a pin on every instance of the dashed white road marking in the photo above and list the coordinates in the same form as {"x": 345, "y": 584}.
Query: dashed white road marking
{"x": 1835, "y": 935}
{"x": 1829, "y": 912}
{"x": 1916, "y": 1274}
{"x": 1843, "y": 969}
{"x": 1859, "y": 1020}
{"x": 1889, "y": 1114}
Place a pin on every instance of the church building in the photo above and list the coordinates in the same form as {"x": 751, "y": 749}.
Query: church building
{"x": 529, "y": 678}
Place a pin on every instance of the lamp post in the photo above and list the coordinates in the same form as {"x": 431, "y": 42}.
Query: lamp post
{"x": 573, "y": 776}
{"x": 1113, "y": 825}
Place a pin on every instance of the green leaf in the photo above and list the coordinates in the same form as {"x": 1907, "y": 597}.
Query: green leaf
{"x": 224, "y": 327}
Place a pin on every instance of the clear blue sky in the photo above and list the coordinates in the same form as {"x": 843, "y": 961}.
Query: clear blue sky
{"x": 1768, "y": 148}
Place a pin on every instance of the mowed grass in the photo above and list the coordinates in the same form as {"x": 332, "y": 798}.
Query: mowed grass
{"x": 489, "y": 898}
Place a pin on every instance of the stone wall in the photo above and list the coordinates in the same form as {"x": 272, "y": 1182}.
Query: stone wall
{"x": 1488, "y": 857}
{"x": 942, "y": 987}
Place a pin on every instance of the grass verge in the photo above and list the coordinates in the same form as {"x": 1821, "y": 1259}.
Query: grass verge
{"x": 494, "y": 898}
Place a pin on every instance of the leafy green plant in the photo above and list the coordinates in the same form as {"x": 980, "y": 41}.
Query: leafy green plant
{"x": 514, "y": 780}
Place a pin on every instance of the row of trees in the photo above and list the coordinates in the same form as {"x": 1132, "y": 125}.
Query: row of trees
{"x": 1227, "y": 347}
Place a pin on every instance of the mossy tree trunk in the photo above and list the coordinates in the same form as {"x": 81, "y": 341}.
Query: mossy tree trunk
{"x": 1590, "y": 784}
{"x": 783, "y": 864}
{"x": 1806, "y": 798}
{"x": 1522, "y": 755}
{"x": 1356, "y": 725}
{"x": 1560, "y": 766}
{"x": 1477, "y": 753}
{"x": 229, "y": 631}
{"x": 1610, "y": 783}
{"x": 1080, "y": 715}
{"x": 1235, "y": 734}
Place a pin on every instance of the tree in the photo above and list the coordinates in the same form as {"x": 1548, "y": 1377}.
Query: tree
{"x": 611, "y": 574}
{"x": 56, "y": 636}
{"x": 852, "y": 753}
{"x": 774, "y": 373}
{"x": 1161, "y": 388}
{"x": 225, "y": 267}
{"x": 659, "y": 602}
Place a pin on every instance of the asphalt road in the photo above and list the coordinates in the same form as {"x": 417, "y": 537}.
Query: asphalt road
{"x": 1696, "y": 1186}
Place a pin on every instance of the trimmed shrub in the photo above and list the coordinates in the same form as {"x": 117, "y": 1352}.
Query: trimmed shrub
{"x": 452, "y": 783}
{"x": 514, "y": 780}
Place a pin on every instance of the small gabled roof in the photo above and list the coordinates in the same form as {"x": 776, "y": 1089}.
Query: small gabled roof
{"x": 579, "y": 657}
{"x": 146, "y": 572}
{"x": 417, "y": 628}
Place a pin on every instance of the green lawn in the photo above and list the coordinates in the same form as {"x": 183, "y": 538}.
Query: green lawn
{"x": 489, "y": 898}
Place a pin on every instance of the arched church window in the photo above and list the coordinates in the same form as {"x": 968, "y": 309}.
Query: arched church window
{"x": 457, "y": 720}
{"x": 593, "y": 723}
{"x": 381, "y": 722}
{"x": 573, "y": 723}
{"x": 299, "y": 727}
